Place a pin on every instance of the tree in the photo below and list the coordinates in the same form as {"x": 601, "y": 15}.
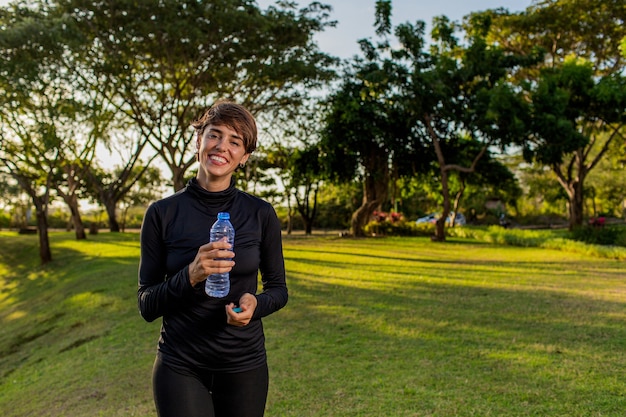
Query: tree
{"x": 491, "y": 180}
{"x": 146, "y": 190}
{"x": 361, "y": 131}
{"x": 71, "y": 189}
{"x": 111, "y": 187}
{"x": 459, "y": 98}
{"x": 450, "y": 105}
{"x": 589, "y": 29}
{"x": 81, "y": 133}
{"x": 306, "y": 177}
{"x": 575, "y": 117}
{"x": 296, "y": 156}
{"x": 365, "y": 130}
{"x": 35, "y": 109}
{"x": 584, "y": 41}
{"x": 299, "y": 174}
{"x": 40, "y": 79}
{"x": 25, "y": 157}
{"x": 162, "y": 63}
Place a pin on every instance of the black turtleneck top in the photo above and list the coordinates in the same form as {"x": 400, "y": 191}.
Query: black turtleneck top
{"x": 194, "y": 332}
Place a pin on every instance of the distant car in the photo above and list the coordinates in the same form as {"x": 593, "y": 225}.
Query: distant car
{"x": 432, "y": 218}
{"x": 459, "y": 221}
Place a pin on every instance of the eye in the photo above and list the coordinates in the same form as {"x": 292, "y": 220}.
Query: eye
{"x": 212, "y": 136}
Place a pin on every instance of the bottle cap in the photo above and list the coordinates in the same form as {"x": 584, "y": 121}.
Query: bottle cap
{"x": 223, "y": 216}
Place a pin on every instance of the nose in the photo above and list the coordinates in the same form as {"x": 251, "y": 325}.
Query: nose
{"x": 219, "y": 145}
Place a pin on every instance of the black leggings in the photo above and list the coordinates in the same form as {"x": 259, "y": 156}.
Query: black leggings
{"x": 209, "y": 394}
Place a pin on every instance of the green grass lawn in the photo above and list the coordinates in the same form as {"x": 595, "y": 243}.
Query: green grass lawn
{"x": 374, "y": 327}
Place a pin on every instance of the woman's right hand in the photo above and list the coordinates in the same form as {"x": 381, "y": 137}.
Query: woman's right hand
{"x": 209, "y": 260}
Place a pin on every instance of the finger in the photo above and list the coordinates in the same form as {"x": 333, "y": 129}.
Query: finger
{"x": 224, "y": 254}
{"x": 220, "y": 244}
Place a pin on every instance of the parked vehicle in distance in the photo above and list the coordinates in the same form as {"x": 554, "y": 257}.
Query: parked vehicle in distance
{"x": 432, "y": 218}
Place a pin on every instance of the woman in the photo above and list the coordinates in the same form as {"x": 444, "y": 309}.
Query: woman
{"x": 211, "y": 360}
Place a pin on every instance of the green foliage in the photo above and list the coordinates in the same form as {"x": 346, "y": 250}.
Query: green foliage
{"x": 548, "y": 239}
{"x": 337, "y": 202}
{"x": 573, "y": 122}
{"x": 590, "y": 29}
{"x": 605, "y": 235}
{"x": 398, "y": 228}
{"x": 542, "y": 196}
{"x": 501, "y": 236}
{"x": 5, "y": 219}
{"x": 561, "y": 98}
{"x": 606, "y": 186}
{"x": 577, "y": 95}
{"x": 173, "y": 59}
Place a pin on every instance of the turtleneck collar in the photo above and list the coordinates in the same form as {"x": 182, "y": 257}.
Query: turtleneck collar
{"x": 211, "y": 198}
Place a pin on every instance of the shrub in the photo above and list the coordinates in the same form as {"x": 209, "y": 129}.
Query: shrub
{"x": 5, "y": 220}
{"x": 398, "y": 228}
{"x": 549, "y": 239}
{"x": 611, "y": 235}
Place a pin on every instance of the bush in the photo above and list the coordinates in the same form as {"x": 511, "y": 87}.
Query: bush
{"x": 612, "y": 235}
{"x": 5, "y": 220}
{"x": 502, "y": 236}
{"x": 549, "y": 239}
{"x": 398, "y": 228}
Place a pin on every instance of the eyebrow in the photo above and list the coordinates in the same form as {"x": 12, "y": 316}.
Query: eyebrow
{"x": 218, "y": 130}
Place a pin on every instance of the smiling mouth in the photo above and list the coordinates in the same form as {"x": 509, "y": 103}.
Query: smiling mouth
{"x": 218, "y": 159}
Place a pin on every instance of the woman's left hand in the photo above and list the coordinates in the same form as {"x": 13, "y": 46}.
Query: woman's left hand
{"x": 247, "y": 303}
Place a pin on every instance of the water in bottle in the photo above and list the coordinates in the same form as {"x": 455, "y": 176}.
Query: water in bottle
{"x": 218, "y": 285}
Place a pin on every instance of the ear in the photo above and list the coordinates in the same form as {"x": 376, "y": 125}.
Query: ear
{"x": 244, "y": 159}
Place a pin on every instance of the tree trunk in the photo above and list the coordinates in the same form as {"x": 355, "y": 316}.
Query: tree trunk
{"x": 178, "y": 178}
{"x": 375, "y": 189}
{"x": 41, "y": 209}
{"x": 440, "y": 226}
{"x": 307, "y": 213}
{"x": 77, "y": 221}
{"x": 572, "y": 174}
{"x": 361, "y": 216}
{"x": 308, "y": 226}
{"x": 440, "y": 230}
{"x": 289, "y": 215}
{"x": 110, "y": 206}
{"x": 68, "y": 194}
{"x": 572, "y": 180}
{"x": 45, "y": 255}
{"x": 576, "y": 205}
{"x": 457, "y": 203}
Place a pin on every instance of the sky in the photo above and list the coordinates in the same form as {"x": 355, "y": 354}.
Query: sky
{"x": 355, "y": 18}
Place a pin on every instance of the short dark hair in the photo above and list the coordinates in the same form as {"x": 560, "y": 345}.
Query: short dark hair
{"x": 233, "y": 115}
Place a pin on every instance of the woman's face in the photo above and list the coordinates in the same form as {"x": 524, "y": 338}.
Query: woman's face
{"x": 220, "y": 151}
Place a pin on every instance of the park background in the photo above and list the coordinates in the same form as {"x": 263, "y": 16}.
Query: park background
{"x": 503, "y": 116}
{"x": 386, "y": 316}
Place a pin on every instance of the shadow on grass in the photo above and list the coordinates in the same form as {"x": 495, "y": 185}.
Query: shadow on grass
{"x": 57, "y": 307}
{"x": 430, "y": 339}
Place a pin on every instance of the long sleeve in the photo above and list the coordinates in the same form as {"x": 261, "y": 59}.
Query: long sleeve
{"x": 272, "y": 267}
{"x": 158, "y": 294}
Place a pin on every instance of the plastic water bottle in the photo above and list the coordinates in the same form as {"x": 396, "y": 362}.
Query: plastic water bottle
{"x": 218, "y": 285}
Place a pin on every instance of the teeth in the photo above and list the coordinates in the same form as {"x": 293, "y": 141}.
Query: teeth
{"x": 217, "y": 158}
